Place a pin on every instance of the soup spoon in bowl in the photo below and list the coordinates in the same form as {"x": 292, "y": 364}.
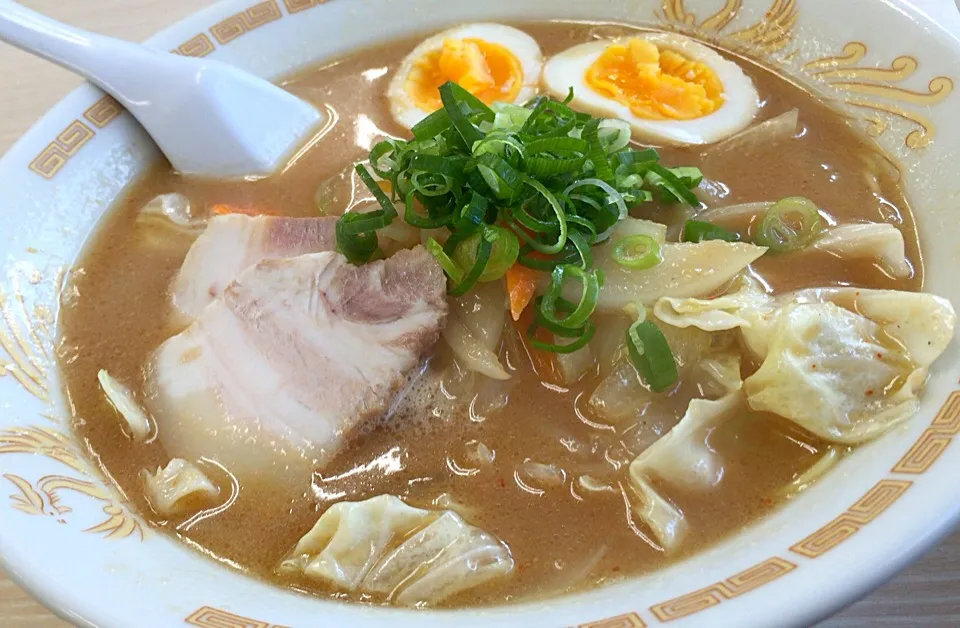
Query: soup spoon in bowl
{"x": 210, "y": 119}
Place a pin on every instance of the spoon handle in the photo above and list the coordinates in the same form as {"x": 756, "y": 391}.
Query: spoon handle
{"x": 104, "y": 61}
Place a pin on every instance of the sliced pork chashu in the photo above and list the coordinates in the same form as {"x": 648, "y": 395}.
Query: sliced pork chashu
{"x": 231, "y": 244}
{"x": 277, "y": 373}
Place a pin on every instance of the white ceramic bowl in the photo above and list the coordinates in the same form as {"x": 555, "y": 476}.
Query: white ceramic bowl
{"x": 68, "y": 537}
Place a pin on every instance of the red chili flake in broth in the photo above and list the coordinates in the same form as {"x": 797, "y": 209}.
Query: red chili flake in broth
{"x": 870, "y": 393}
{"x": 616, "y": 568}
{"x": 879, "y": 356}
{"x": 501, "y": 483}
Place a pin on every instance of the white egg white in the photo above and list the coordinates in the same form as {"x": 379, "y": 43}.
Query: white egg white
{"x": 740, "y": 100}
{"x": 524, "y": 47}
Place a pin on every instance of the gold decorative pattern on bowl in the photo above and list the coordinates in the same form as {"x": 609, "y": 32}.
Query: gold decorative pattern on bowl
{"x": 856, "y": 83}
{"x": 934, "y": 439}
{"x": 26, "y": 348}
{"x": 245, "y": 21}
{"x": 630, "y": 620}
{"x": 734, "y": 586}
{"x": 209, "y": 617}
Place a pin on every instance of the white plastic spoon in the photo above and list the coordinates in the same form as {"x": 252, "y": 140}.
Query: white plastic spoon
{"x": 208, "y": 118}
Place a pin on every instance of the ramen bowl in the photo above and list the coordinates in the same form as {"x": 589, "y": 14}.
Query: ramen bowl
{"x": 69, "y": 536}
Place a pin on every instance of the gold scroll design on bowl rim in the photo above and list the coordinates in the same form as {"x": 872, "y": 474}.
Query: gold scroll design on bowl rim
{"x": 861, "y": 87}
{"x": 209, "y": 617}
{"x": 771, "y": 34}
{"x": 26, "y": 347}
{"x": 876, "y": 89}
{"x": 629, "y": 620}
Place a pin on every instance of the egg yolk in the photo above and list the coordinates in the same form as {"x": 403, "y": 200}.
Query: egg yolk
{"x": 655, "y": 84}
{"x": 488, "y": 71}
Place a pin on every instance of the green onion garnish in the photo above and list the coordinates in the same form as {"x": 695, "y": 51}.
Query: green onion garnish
{"x": 789, "y": 225}
{"x": 590, "y": 291}
{"x": 651, "y": 355}
{"x": 448, "y": 265}
{"x": 483, "y": 248}
{"x": 503, "y": 255}
{"x": 700, "y": 231}
{"x": 580, "y": 335}
{"x": 638, "y": 252}
{"x": 357, "y": 247}
{"x": 538, "y": 185}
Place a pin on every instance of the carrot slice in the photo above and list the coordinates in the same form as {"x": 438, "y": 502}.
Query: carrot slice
{"x": 521, "y": 287}
{"x": 223, "y": 209}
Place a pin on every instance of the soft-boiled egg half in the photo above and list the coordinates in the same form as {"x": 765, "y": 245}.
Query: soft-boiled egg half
{"x": 671, "y": 89}
{"x": 491, "y": 61}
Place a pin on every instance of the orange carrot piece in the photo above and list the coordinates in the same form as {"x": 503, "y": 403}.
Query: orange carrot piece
{"x": 521, "y": 286}
{"x": 222, "y": 209}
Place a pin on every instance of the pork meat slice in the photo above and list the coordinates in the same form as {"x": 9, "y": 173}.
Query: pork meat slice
{"x": 231, "y": 244}
{"x": 297, "y": 354}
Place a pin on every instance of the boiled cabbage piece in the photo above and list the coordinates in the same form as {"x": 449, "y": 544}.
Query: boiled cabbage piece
{"x": 412, "y": 556}
{"x": 687, "y": 270}
{"x": 683, "y": 457}
{"x": 474, "y": 328}
{"x": 878, "y": 240}
{"x": 178, "y": 488}
{"x": 849, "y": 375}
{"x": 733, "y": 310}
{"x": 844, "y": 363}
{"x": 126, "y": 405}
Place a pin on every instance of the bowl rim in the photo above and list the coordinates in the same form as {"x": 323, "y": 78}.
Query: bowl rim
{"x": 858, "y": 579}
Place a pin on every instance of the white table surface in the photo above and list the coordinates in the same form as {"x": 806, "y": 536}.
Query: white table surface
{"x": 926, "y": 594}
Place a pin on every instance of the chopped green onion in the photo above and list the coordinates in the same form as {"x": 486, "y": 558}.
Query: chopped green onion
{"x": 501, "y": 144}
{"x": 664, "y": 179}
{"x": 651, "y": 355}
{"x": 699, "y": 231}
{"x": 364, "y": 222}
{"x": 383, "y": 158}
{"x": 583, "y": 248}
{"x": 569, "y": 255}
{"x": 597, "y": 154}
{"x": 509, "y": 117}
{"x": 638, "y": 252}
{"x": 580, "y": 335}
{"x": 385, "y": 203}
{"x": 412, "y": 218}
{"x": 553, "y": 156}
{"x": 448, "y": 265}
{"x": 688, "y": 175}
{"x": 630, "y": 157}
{"x": 452, "y": 96}
{"x": 549, "y": 119}
{"x": 561, "y": 216}
{"x": 483, "y": 250}
{"x": 431, "y": 126}
{"x": 590, "y": 282}
{"x": 614, "y": 135}
{"x": 537, "y": 185}
{"x": 358, "y": 248}
{"x": 472, "y": 215}
{"x": 789, "y": 225}
{"x": 584, "y": 336}
{"x": 503, "y": 255}
{"x": 503, "y": 180}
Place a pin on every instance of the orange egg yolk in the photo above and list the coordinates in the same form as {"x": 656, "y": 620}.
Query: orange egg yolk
{"x": 488, "y": 71}
{"x": 655, "y": 84}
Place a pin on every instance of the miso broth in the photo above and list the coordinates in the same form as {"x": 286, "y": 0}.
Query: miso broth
{"x": 435, "y": 450}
